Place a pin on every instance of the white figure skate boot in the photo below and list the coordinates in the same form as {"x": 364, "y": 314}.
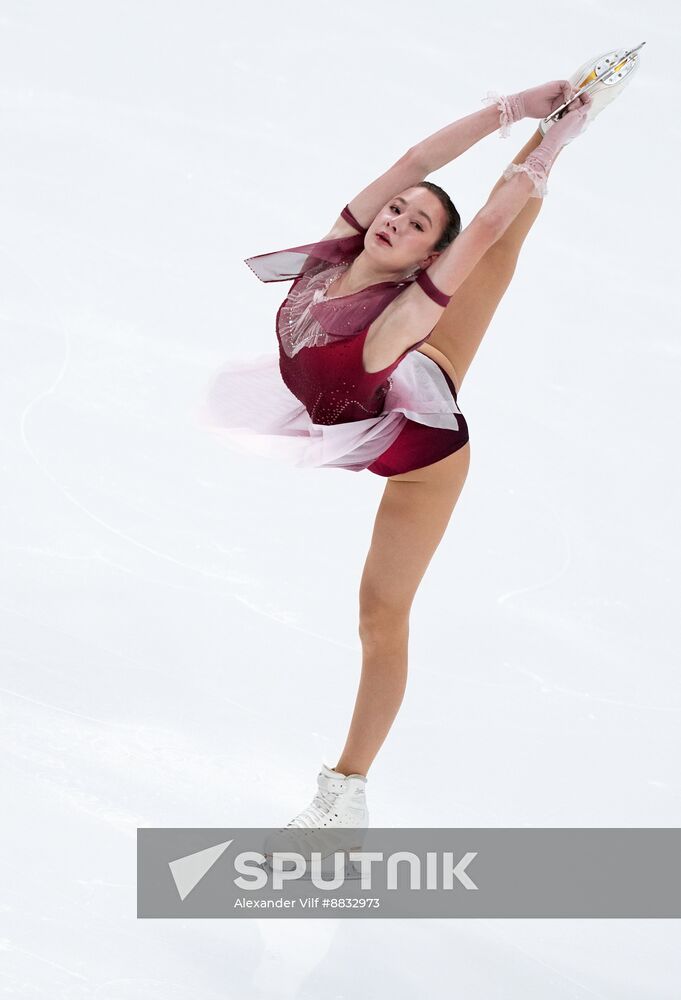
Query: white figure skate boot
{"x": 335, "y": 821}
{"x": 605, "y": 91}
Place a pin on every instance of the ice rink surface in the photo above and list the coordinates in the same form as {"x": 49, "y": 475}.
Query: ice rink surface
{"x": 179, "y": 622}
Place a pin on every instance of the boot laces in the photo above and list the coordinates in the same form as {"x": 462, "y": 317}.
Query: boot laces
{"x": 317, "y": 811}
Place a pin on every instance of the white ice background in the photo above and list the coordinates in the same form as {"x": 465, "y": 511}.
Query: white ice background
{"x": 178, "y": 623}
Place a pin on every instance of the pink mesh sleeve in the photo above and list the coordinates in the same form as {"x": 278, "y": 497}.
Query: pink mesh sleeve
{"x": 510, "y": 110}
{"x": 535, "y": 170}
{"x": 539, "y": 162}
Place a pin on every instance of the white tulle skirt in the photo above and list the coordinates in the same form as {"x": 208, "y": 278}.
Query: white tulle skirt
{"x": 248, "y": 404}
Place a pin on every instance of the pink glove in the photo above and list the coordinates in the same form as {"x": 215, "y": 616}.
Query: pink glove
{"x": 539, "y": 162}
{"x": 537, "y": 102}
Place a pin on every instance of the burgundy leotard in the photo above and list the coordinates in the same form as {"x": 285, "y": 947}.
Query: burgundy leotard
{"x": 326, "y": 410}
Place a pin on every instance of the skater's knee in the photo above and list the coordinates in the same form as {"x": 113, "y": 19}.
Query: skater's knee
{"x": 383, "y": 617}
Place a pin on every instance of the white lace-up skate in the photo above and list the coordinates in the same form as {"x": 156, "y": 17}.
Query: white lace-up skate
{"x": 335, "y": 821}
{"x": 602, "y": 91}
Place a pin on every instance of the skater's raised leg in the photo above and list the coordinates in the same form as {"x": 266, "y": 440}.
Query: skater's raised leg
{"x": 463, "y": 324}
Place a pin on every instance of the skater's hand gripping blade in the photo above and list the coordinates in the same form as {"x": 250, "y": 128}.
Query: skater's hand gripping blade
{"x": 603, "y": 77}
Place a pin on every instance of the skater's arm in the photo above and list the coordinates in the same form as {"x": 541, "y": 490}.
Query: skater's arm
{"x": 451, "y": 141}
{"x": 366, "y": 205}
{"x": 444, "y": 146}
{"x": 454, "y": 264}
{"x": 415, "y": 165}
{"x": 413, "y": 314}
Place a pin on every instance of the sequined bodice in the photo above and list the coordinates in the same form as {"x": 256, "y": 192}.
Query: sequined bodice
{"x": 321, "y": 340}
{"x": 331, "y": 382}
{"x": 329, "y": 375}
{"x": 297, "y": 326}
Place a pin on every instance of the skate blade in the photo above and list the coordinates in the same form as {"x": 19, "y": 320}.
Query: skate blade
{"x": 609, "y": 69}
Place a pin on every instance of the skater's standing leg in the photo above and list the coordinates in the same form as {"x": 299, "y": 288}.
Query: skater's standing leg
{"x": 411, "y": 519}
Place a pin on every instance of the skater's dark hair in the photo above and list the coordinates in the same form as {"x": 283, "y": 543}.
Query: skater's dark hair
{"x": 453, "y": 226}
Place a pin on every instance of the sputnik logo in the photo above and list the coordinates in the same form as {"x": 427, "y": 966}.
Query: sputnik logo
{"x": 188, "y": 871}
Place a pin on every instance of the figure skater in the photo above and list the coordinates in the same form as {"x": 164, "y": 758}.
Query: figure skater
{"x": 376, "y": 334}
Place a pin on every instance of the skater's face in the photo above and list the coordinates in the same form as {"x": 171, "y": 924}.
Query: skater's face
{"x": 414, "y": 221}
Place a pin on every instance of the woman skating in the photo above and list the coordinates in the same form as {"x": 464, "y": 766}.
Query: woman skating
{"x": 376, "y": 334}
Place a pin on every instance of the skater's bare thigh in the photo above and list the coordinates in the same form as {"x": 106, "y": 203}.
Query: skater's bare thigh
{"x": 411, "y": 519}
{"x": 462, "y": 326}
